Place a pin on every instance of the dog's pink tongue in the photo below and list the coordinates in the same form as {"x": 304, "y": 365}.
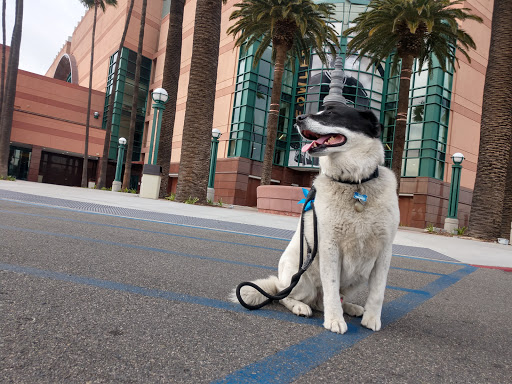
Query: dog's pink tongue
{"x": 318, "y": 141}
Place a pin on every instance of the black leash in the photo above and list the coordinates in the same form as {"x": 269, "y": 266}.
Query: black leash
{"x": 303, "y": 266}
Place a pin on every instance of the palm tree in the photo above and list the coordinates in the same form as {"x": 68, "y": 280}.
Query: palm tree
{"x": 2, "y": 82}
{"x": 491, "y": 208}
{"x": 108, "y": 129}
{"x": 170, "y": 84}
{"x": 10, "y": 90}
{"x": 410, "y": 29}
{"x": 195, "y": 146}
{"x": 90, "y": 4}
{"x": 133, "y": 117}
{"x": 292, "y": 27}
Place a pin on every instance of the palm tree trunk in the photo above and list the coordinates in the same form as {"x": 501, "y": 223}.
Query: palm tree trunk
{"x": 401, "y": 117}
{"x": 108, "y": 129}
{"x": 88, "y": 118}
{"x": 487, "y": 209}
{"x": 273, "y": 115}
{"x": 170, "y": 84}
{"x": 133, "y": 117}
{"x": 506, "y": 215}
{"x": 2, "y": 84}
{"x": 10, "y": 90}
{"x": 197, "y": 129}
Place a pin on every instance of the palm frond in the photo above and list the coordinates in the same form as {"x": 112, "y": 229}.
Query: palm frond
{"x": 420, "y": 28}
{"x": 298, "y": 24}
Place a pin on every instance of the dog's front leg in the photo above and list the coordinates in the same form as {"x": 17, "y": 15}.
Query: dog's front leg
{"x": 330, "y": 276}
{"x": 377, "y": 286}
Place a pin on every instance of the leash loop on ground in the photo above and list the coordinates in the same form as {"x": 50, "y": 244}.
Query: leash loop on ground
{"x": 303, "y": 266}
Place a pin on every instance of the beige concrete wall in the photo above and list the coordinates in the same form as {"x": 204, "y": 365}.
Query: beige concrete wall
{"x": 467, "y": 96}
{"x": 109, "y": 29}
{"x": 226, "y": 77}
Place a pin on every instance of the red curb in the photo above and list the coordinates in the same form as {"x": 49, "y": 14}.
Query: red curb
{"x": 506, "y": 269}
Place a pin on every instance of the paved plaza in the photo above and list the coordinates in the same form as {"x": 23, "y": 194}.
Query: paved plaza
{"x": 105, "y": 287}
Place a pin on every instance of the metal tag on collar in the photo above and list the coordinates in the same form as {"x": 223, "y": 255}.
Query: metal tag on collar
{"x": 360, "y": 201}
{"x": 359, "y": 197}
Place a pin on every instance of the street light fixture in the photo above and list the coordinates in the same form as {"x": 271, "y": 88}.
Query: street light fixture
{"x": 451, "y": 221}
{"x": 150, "y": 183}
{"x": 216, "y": 133}
{"x": 116, "y": 185}
{"x": 457, "y": 158}
{"x": 160, "y": 95}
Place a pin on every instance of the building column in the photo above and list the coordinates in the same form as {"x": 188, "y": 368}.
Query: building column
{"x": 35, "y": 162}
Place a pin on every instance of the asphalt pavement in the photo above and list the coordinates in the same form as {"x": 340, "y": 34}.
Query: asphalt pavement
{"x": 102, "y": 287}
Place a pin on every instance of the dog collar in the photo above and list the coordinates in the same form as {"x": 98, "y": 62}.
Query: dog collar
{"x": 374, "y": 175}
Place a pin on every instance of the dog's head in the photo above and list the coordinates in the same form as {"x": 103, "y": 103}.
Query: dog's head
{"x": 337, "y": 129}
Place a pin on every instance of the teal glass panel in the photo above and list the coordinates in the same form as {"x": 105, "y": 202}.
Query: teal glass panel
{"x": 124, "y": 98}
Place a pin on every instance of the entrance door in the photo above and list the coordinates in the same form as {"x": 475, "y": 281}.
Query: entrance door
{"x": 405, "y": 205}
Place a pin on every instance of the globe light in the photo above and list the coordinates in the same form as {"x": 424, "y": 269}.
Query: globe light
{"x": 122, "y": 141}
{"x": 216, "y": 133}
{"x": 160, "y": 95}
{"x": 457, "y": 158}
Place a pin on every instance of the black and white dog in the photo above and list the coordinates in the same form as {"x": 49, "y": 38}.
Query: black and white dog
{"x": 357, "y": 210}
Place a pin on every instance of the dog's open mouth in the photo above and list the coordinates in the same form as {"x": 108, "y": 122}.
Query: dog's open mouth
{"x": 330, "y": 140}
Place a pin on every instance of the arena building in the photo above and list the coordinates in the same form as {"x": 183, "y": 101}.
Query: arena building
{"x": 444, "y": 115}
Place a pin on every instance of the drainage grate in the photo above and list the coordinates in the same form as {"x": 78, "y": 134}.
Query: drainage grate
{"x": 148, "y": 215}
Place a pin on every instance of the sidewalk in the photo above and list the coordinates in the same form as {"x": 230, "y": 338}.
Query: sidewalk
{"x": 464, "y": 250}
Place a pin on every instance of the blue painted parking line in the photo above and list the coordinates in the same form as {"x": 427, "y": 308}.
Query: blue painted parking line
{"x": 150, "y": 221}
{"x": 417, "y": 291}
{"x": 186, "y": 237}
{"x": 199, "y": 227}
{"x": 293, "y": 362}
{"x": 152, "y": 249}
{"x": 161, "y": 294}
{"x": 143, "y": 230}
{"x": 416, "y": 270}
{"x": 289, "y": 364}
{"x": 425, "y": 259}
{"x": 133, "y": 246}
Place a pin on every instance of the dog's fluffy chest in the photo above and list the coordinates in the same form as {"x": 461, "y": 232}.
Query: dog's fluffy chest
{"x": 353, "y": 230}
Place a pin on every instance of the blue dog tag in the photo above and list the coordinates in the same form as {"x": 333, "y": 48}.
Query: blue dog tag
{"x": 359, "y": 197}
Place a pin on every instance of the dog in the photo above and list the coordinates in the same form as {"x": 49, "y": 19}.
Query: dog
{"x": 354, "y": 242}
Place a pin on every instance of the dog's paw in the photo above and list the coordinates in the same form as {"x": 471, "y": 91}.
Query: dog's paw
{"x": 297, "y": 307}
{"x": 336, "y": 325}
{"x": 371, "y": 321}
{"x": 301, "y": 309}
{"x": 353, "y": 309}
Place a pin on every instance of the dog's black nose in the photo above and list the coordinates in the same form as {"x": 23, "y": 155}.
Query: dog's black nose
{"x": 301, "y": 117}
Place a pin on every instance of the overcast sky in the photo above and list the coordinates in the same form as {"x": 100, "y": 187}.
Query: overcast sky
{"x": 46, "y": 26}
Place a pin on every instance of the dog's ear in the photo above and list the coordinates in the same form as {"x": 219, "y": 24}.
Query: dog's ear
{"x": 376, "y": 126}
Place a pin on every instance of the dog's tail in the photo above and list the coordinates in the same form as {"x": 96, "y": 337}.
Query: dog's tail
{"x": 252, "y": 296}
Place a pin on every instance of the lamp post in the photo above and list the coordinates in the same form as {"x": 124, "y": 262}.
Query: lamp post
{"x": 116, "y": 185}
{"x": 210, "y": 195}
{"x": 150, "y": 183}
{"x": 160, "y": 97}
{"x": 451, "y": 222}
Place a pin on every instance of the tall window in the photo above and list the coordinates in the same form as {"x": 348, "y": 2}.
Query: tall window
{"x": 123, "y": 100}
{"x": 250, "y": 109}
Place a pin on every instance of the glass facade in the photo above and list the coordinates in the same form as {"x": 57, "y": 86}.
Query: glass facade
{"x": 250, "y": 109}
{"x": 123, "y": 100}
{"x": 374, "y": 88}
